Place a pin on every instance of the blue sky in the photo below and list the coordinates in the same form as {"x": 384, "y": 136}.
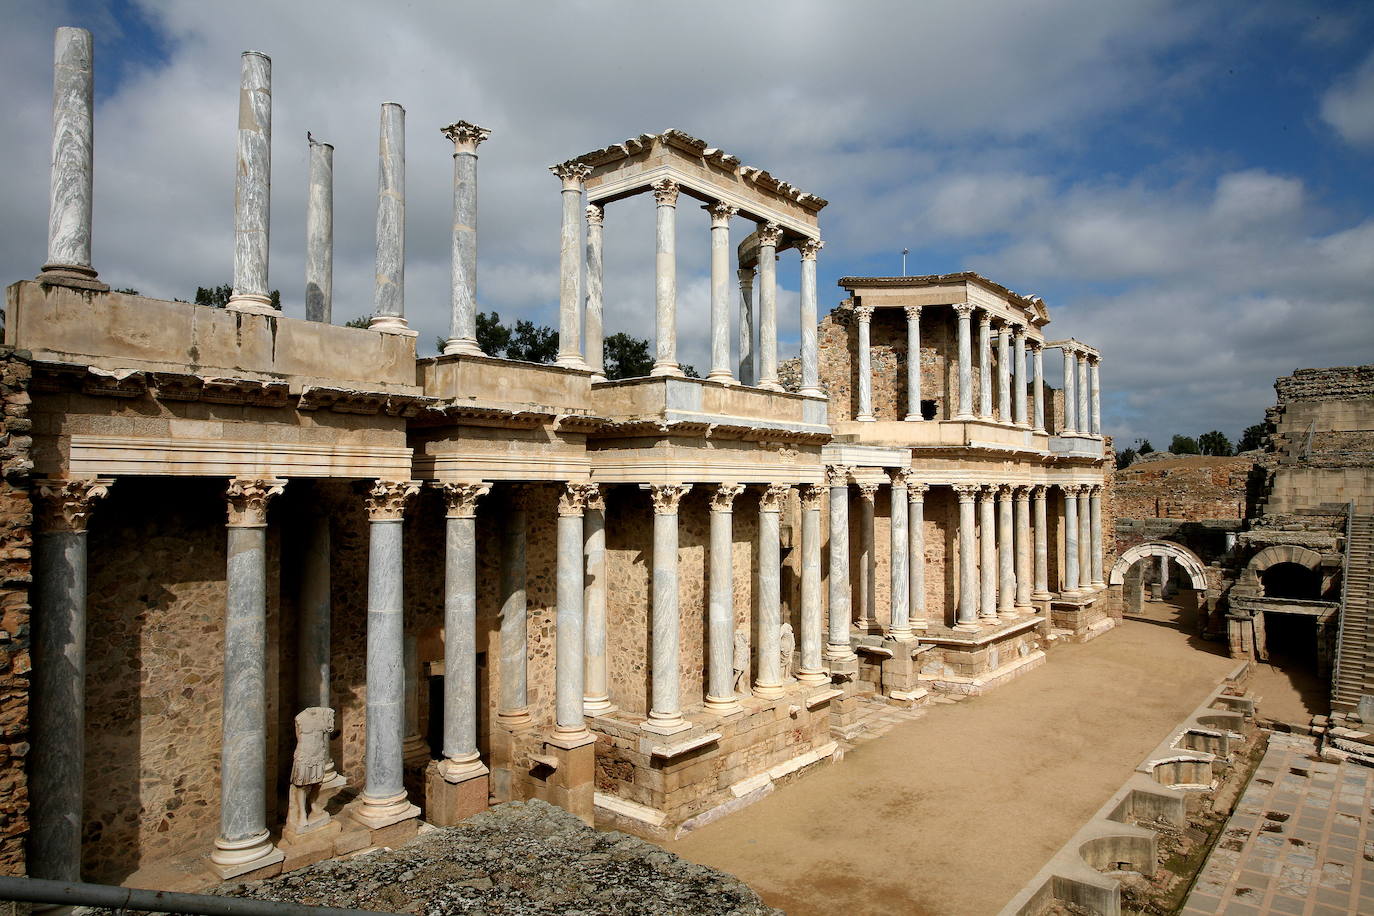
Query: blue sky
{"x": 1187, "y": 185}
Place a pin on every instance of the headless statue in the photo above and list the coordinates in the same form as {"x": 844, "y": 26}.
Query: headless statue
{"x": 741, "y": 662}
{"x": 309, "y": 766}
{"x": 787, "y": 648}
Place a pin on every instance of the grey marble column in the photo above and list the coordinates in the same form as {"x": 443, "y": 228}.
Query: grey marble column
{"x": 1084, "y": 426}
{"x": 747, "y": 336}
{"x": 253, "y": 186}
{"x": 57, "y": 760}
{"x": 665, "y": 279}
{"x": 73, "y": 142}
{"x": 768, "y": 673}
{"x": 720, "y": 292}
{"x": 1070, "y": 427}
{"x": 571, "y": 174}
{"x": 1038, "y": 386}
{"x": 899, "y": 624}
{"x": 1023, "y": 551}
{"x": 665, "y": 709}
{"x": 913, "y": 362}
{"x": 462, "y": 333}
{"x": 865, "y": 315}
{"x": 916, "y": 551}
{"x": 383, "y": 801}
{"x": 243, "y": 843}
{"x": 1042, "y": 546}
{"x": 810, "y": 360}
{"x": 594, "y": 332}
{"x": 968, "y": 559}
{"x": 389, "y": 297}
{"x": 513, "y": 705}
{"x": 596, "y": 694}
{"x": 1006, "y": 556}
{"x": 868, "y": 561}
{"x": 415, "y": 750}
{"x": 809, "y": 668}
{"x": 987, "y": 548}
{"x": 964, "y": 312}
{"x": 720, "y": 611}
{"x": 1094, "y": 385}
{"x": 1084, "y": 539}
{"x": 985, "y": 409}
{"x": 770, "y": 235}
{"x": 1019, "y": 364}
{"x": 838, "y": 647}
{"x": 319, "y": 236}
{"x": 1095, "y": 537}
{"x": 312, "y": 670}
{"x": 1004, "y": 411}
{"x": 461, "y": 759}
{"x": 569, "y": 721}
{"x": 1070, "y": 492}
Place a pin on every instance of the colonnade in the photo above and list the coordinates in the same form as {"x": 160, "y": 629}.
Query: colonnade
{"x": 1082, "y": 391}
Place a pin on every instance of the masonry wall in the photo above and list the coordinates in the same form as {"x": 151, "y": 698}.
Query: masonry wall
{"x": 838, "y": 340}
{"x": 1192, "y": 487}
{"x": 16, "y": 519}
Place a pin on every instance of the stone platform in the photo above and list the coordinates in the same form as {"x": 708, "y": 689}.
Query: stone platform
{"x": 974, "y": 662}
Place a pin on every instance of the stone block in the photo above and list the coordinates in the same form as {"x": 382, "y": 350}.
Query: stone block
{"x": 397, "y": 834}
{"x": 448, "y": 803}
{"x": 352, "y": 840}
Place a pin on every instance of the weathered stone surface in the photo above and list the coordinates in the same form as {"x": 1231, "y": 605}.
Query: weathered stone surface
{"x": 16, "y": 543}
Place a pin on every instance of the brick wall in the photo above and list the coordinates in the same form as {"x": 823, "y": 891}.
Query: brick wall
{"x": 16, "y": 543}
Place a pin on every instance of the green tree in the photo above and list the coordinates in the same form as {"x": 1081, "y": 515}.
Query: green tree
{"x": 218, "y": 296}
{"x": 361, "y": 321}
{"x": 532, "y": 343}
{"x": 1145, "y": 447}
{"x": 1183, "y": 445}
{"x": 1215, "y": 443}
{"x": 493, "y": 337}
{"x": 626, "y": 356}
{"x": 128, "y": 290}
{"x": 1124, "y": 459}
{"x": 1252, "y": 438}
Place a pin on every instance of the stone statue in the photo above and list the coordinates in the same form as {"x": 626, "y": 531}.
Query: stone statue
{"x": 787, "y": 647}
{"x": 741, "y": 664}
{"x": 309, "y": 768}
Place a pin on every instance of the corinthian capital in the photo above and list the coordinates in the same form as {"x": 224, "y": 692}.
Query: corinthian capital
{"x": 667, "y": 496}
{"x": 66, "y": 505}
{"x": 901, "y": 477}
{"x": 837, "y": 475}
{"x": 248, "y": 499}
{"x": 572, "y": 174}
{"x": 465, "y": 136}
{"x": 770, "y": 234}
{"x": 966, "y": 491}
{"x": 863, "y": 312}
{"x": 596, "y": 496}
{"x": 665, "y": 192}
{"x": 810, "y": 248}
{"x": 774, "y": 495}
{"x": 461, "y": 498}
{"x": 573, "y": 500}
{"x": 963, "y": 309}
{"x": 721, "y": 214}
{"x": 811, "y": 496}
{"x": 916, "y": 492}
{"x": 595, "y": 214}
{"x": 387, "y": 499}
{"x": 913, "y": 312}
{"x": 723, "y": 499}
{"x": 868, "y": 491}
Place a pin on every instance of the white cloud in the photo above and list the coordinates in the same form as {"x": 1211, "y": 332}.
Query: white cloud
{"x": 1348, "y": 106}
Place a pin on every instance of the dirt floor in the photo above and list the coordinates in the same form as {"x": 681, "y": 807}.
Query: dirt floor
{"x": 951, "y": 814}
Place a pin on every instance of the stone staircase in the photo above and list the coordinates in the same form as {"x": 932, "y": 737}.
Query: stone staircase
{"x": 1354, "y": 675}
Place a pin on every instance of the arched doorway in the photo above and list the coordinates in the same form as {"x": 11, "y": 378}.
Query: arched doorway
{"x": 1173, "y": 576}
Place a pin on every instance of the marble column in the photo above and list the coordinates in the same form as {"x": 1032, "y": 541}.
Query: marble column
{"x": 768, "y": 673}
{"x": 569, "y": 722}
{"x": 243, "y": 843}
{"x": 770, "y": 234}
{"x": 1084, "y": 539}
{"x": 389, "y": 297}
{"x": 57, "y": 759}
{"x": 596, "y": 696}
{"x": 312, "y": 669}
{"x": 1019, "y": 368}
{"x": 1023, "y": 552}
{"x": 985, "y": 409}
{"x": 665, "y": 709}
{"x": 747, "y": 350}
{"x": 1094, "y": 385}
{"x": 1042, "y": 546}
{"x": 1163, "y": 576}
{"x": 720, "y": 610}
{"x": 1004, "y": 411}
{"x": 594, "y": 332}
{"x": 810, "y": 361}
{"x": 913, "y": 362}
{"x": 384, "y": 800}
{"x": 1038, "y": 386}
{"x": 1095, "y": 537}
{"x": 513, "y": 705}
{"x": 720, "y": 292}
{"x": 319, "y": 234}
{"x": 809, "y": 669}
{"x": 415, "y": 749}
{"x": 1070, "y": 426}
{"x": 968, "y": 559}
{"x": 987, "y": 548}
{"x": 868, "y": 561}
{"x": 1006, "y": 556}
{"x": 571, "y": 174}
{"x": 1070, "y": 492}
{"x": 252, "y": 187}
{"x": 462, "y": 334}
{"x": 916, "y": 552}
{"x": 461, "y": 759}
{"x": 964, "y": 311}
{"x": 865, "y": 315}
{"x": 899, "y": 624}
{"x": 1084, "y": 420}
{"x": 665, "y": 279}
{"x": 73, "y": 139}
{"x": 838, "y": 647}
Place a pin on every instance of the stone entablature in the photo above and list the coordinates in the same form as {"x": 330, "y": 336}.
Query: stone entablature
{"x": 946, "y": 289}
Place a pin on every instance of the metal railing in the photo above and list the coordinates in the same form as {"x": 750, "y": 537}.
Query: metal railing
{"x": 1340, "y": 622}
{"x": 76, "y": 893}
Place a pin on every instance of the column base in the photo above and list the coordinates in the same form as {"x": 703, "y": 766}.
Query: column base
{"x": 964, "y": 417}
{"x": 1025, "y": 610}
{"x": 462, "y": 346}
{"x": 414, "y": 751}
{"x": 812, "y": 391}
{"x": 661, "y": 369}
{"x": 597, "y": 706}
{"x": 77, "y": 276}
{"x": 566, "y": 737}
{"x": 460, "y": 769}
{"x": 901, "y": 634}
{"x": 1098, "y": 586}
{"x": 453, "y": 797}
{"x": 571, "y": 361}
{"x": 391, "y": 324}
{"x": 232, "y": 858}
{"x": 1039, "y": 595}
{"x": 720, "y": 375}
{"x": 866, "y": 418}
{"x": 1038, "y": 429}
{"x": 912, "y": 418}
{"x": 839, "y": 653}
{"x": 665, "y": 725}
{"x": 251, "y": 304}
{"x": 967, "y": 626}
{"x": 813, "y": 677}
{"x": 1008, "y": 615}
{"x": 723, "y": 706}
{"x": 515, "y": 719}
{"x": 770, "y": 385}
{"x": 376, "y": 813}
{"x": 768, "y": 691}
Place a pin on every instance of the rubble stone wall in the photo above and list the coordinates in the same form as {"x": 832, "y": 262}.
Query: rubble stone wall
{"x": 16, "y": 545}
{"x": 1183, "y": 487}
{"x": 1334, "y": 383}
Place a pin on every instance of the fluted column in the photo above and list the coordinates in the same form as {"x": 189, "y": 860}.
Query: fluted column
{"x": 964, "y": 311}
{"x": 569, "y": 722}
{"x": 1006, "y": 556}
{"x": 665, "y": 710}
{"x": 913, "y": 362}
{"x": 1023, "y": 551}
{"x": 1019, "y": 367}
{"x": 73, "y": 139}
{"x": 1084, "y": 538}
{"x": 253, "y": 187}
{"x": 1004, "y": 412}
{"x": 594, "y": 331}
{"x": 1082, "y": 414}
{"x": 1094, "y": 385}
{"x": 1070, "y": 492}
{"x": 57, "y": 760}
{"x": 513, "y": 705}
{"x": 987, "y": 547}
{"x": 720, "y": 291}
{"x": 838, "y": 647}
{"x": 809, "y": 670}
{"x": 810, "y": 362}
{"x": 768, "y": 673}
{"x": 968, "y": 559}
{"x": 319, "y": 235}
{"x": 462, "y": 334}
{"x": 720, "y": 612}
{"x": 1095, "y": 537}
{"x": 985, "y": 409}
{"x": 243, "y": 843}
{"x": 461, "y": 760}
{"x": 916, "y": 551}
{"x": 596, "y": 696}
{"x": 571, "y": 174}
{"x": 868, "y": 561}
{"x": 1038, "y": 387}
{"x": 899, "y": 624}
{"x": 865, "y": 315}
{"x": 1070, "y": 427}
{"x": 388, "y": 302}
{"x": 1042, "y": 546}
{"x": 770, "y": 234}
{"x": 747, "y": 351}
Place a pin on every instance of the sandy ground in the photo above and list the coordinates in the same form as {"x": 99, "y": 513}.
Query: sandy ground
{"x": 953, "y": 813}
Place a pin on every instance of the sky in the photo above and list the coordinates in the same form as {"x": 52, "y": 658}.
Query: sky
{"x": 1190, "y": 186}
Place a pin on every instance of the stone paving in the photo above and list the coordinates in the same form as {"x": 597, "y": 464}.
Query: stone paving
{"x": 1301, "y": 840}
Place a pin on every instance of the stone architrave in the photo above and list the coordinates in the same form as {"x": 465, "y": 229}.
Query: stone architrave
{"x": 665, "y": 279}
{"x": 964, "y": 313}
{"x": 461, "y": 758}
{"x": 389, "y": 297}
{"x": 838, "y": 647}
{"x": 767, "y": 676}
{"x": 913, "y": 363}
{"x": 770, "y": 236}
{"x": 810, "y": 365}
{"x": 809, "y": 669}
{"x": 899, "y": 624}
{"x": 916, "y": 496}
{"x": 594, "y": 328}
{"x": 253, "y": 187}
{"x": 319, "y": 233}
{"x": 868, "y": 560}
{"x": 865, "y": 315}
{"x": 720, "y": 619}
{"x": 967, "y": 613}
{"x": 665, "y": 710}
{"x": 720, "y": 292}
{"x": 462, "y": 335}
{"x": 572, "y": 175}
{"x": 596, "y": 699}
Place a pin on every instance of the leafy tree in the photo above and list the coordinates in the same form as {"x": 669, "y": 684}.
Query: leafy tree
{"x": 626, "y": 356}
{"x": 218, "y": 296}
{"x": 1252, "y": 438}
{"x": 128, "y": 290}
{"x": 361, "y": 321}
{"x": 689, "y": 370}
{"x": 1184, "y": 445}
{"x": 1145, "y": 448}
{"x": 1214, "y": 443}
{"x": 533, "y": 343}
{"x": 1124, "y": 459}
{"x": 493, "y": 337}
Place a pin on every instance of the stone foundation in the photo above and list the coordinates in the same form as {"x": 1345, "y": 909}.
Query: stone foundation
{"x": 1082, "y": 618}
{"x": 973, "y": 663}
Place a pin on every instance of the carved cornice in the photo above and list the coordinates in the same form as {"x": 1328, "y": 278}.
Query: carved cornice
{"x": 465, "y": 136}
{"x": 809, "y": 248}
{"x": 572, "y": 174}
{"x": 666, "y": 496}
{"x": 901, "y": 477}
{"x": 913, "y": 312}
{"x": 387, "y": 499}
{"x": 864, "y": 313}
{"x": 248, "y": 498}
{"x": 723, "y": 499}
{"x": 837, "y": 475}
{"x": 721, "y": 214}
{"x": 867, "y": 491}
{"x": 461, "y": 498}
{"x": 770, "y": 234}
{"x": 66, "y": 505}
{"x": 596, "y": 214}
{"x": 773, "y": 497}
{"x": 665, "y": 192}
{"x": 966, "y": 491}
{"x": 811, "y": 496}
{"x": 916, "y": 492}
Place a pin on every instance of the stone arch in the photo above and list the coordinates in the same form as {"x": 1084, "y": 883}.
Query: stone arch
{"x": 1185, "y": 558}
{"x": 1284, "y": 553}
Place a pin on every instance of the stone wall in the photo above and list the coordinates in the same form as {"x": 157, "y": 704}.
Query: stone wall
{"x": 16, "y": 517}
{"x": 1191, "y": 487}
{"x": 1335, "y": 383}
{"x": 838, "y": 340}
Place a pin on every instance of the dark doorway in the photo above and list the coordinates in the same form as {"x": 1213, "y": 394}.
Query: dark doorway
{"x": 1290, "y": 640}
{"x": 1291, "y": 580}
